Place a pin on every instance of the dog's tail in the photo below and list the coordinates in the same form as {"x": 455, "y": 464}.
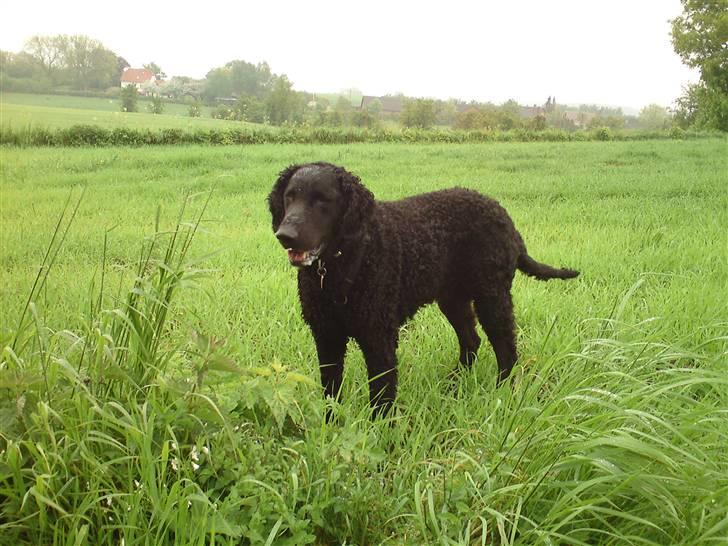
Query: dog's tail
{"x": 541, "y": 271}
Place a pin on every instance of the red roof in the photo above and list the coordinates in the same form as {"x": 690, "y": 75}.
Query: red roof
{"x": 137, "y": 75}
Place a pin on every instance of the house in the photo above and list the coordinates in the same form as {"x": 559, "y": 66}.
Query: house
{"x": 138, "y": 77}
{"x": 530, "y": 112}
{"x": 390, "y": 104}
{"x": 579, "y": 119}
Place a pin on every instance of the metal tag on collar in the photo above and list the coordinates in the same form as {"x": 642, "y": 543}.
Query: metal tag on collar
{"x": 321, "y": 270}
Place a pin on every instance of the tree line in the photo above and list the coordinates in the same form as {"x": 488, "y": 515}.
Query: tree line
{"x": 75, "y": 62}
{"x": 244, "y": 91}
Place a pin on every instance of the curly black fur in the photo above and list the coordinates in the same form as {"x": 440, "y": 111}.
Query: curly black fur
{"x": 385, "y": 260}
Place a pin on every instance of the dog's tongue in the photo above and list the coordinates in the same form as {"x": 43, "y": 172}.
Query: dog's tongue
{"x": 296, "y": 256}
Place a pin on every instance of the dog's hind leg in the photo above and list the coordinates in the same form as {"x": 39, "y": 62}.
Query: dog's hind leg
{"x": 459, "y": 311}
{"x": 495, "y": 312}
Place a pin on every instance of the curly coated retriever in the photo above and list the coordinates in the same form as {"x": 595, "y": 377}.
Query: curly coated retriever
{"x": 367, "y": 266}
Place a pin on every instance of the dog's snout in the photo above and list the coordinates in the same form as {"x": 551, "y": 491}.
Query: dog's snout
{"x": 287, "y": 235}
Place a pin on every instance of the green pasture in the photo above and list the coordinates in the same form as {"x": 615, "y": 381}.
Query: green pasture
{"x": 614, "y": 429}
{"x": 19, "y": 110}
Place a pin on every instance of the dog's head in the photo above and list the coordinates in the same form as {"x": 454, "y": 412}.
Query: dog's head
{"x": 315, "y": 207}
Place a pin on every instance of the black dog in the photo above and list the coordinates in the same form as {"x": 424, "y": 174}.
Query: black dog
{"x": 367, "y": 266}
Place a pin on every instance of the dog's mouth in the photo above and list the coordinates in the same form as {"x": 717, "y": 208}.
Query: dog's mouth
{"x": 304, "y": 258}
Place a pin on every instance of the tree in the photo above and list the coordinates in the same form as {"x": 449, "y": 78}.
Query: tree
{"x": 155, "y": 69}
{"x": 610, "y": 121}
{"x": 468, "y": 120}
{"x": 47, "y": 51}
{"x": 448, "y": 112}
{"x": 284, "y": 104}
{"x": 418, "y": 113}
{"x": 702, "y": 107}
{"x": 700, "y": 38}
{"x": 509, "y": 115}
{"x": 20, "y": 65}
{"x": 89, "y": 64}
{"x": 122, "y": 64}
{"x": 21, "y": 72}
{"x": 654, "y": 117}
{"x": 363, "y": 118}
{"x": 251, "y": 109}
{"x": 538, "y": 122}
{"x": 239, "y": 78}
{"x": 375, "y": 108}
{"x": 129, "y": 96}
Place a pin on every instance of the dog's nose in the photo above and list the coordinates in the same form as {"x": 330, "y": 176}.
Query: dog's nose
{"x": 287, "y": 235}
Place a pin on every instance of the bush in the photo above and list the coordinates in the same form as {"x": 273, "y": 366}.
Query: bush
{"x": 603, "y": 133}
{"x": 677, "y": 133}
{"x": 224, "y": 112}
{"x": 92, "y": 135}
{"x": 26, "y": 85}
{"x": 84, "y": 135}
{"x": 129, "y": 96}
{"x": 195, "y": 109}
{"x": 156, "y": 106}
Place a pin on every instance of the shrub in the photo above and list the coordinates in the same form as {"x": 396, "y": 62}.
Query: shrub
{"x": 195, "y": 109}
{"x": 156, "y": 106}
{"x": 603, "y": 133}
{"x": 224, "y": 112}
{"x": 129, "y": 96}
{"x": 92, "y": 135}
{"x": 677, "y": 133}
{"x": 84, "y": 135}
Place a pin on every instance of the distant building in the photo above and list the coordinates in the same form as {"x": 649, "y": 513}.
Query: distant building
{"x": 390, "y": 104}
{"x": 141, "y": 78}
{"x": 579, "y": 119}
{"x": 530, "y": 112}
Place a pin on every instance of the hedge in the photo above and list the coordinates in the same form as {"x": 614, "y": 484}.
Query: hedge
{"x": 96, "y": 136}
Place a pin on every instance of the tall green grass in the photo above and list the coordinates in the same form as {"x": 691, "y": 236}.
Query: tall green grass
{"x": 195, "y": 133}
{"x": 156, "y": 391}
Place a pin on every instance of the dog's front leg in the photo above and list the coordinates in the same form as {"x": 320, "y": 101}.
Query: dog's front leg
{"x": 381, "y": 359}
{"x": 331, "y": 349}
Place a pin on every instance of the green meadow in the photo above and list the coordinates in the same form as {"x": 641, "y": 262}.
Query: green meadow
{"x": 18, "y": 110}
{"x": 158, "y": 384}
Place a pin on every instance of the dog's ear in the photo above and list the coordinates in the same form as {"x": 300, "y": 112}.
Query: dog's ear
{"x": 275, "y": 198}
{"x": 358, "y": 203}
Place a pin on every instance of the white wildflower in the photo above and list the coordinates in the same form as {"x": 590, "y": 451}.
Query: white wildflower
{"x": 206, "y": 450}
{"x": 174, "y": 463}
{"x": 194, "y": 454}
{"x": 195, "y": 466}
{"x": 108, "y": 501}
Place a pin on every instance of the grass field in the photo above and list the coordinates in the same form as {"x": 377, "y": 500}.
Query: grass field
{"x": 60, "y": 111}
{"x": 143, "y": 425}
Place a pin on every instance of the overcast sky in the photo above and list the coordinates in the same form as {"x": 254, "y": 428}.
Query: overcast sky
{"x": 580, "y": 51}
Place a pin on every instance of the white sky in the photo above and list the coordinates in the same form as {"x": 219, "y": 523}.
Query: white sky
{"x": 581, "y": 51}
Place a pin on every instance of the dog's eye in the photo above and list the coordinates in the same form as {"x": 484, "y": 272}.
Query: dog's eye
{"x": 320, "y": 198}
